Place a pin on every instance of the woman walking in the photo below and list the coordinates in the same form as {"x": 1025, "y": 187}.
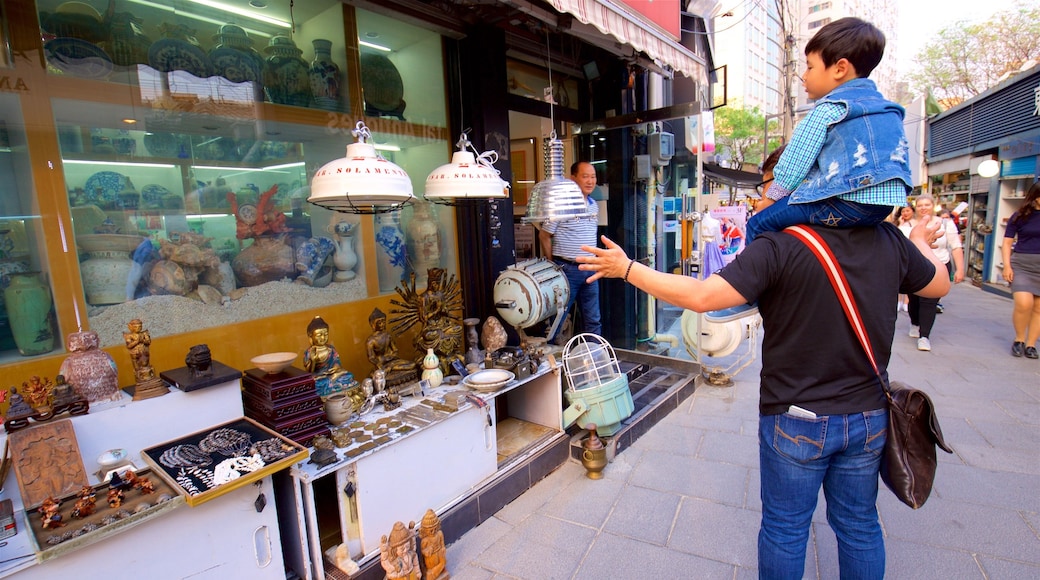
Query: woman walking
{"x": 1022, "y": 270}
{"x": 950, "y": 252}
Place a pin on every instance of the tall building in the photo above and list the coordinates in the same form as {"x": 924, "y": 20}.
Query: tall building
{"x": 749, "y": 42}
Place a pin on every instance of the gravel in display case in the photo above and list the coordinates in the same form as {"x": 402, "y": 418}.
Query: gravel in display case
{"x": 214, "y": 461}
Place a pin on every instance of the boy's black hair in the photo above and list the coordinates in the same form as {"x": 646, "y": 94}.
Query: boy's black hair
{"x": 773, "y": 158}
{"x": 855, "y": 40}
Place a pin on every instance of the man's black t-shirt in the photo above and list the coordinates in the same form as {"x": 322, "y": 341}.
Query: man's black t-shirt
{"x": 810, "y": 356}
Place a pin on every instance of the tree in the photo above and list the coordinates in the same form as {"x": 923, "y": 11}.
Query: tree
{"x": 967, "y": 58}
{"x": 739, "y": 132}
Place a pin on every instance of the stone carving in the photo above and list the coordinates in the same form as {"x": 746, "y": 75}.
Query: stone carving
{"x": 90, "y": 370}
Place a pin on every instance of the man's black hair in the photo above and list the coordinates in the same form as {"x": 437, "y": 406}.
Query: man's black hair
{"x": 855, "y": 40}
{"x": 574, "y": 166}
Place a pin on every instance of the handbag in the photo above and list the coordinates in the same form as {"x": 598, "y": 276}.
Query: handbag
{"x": 908, "y": 464}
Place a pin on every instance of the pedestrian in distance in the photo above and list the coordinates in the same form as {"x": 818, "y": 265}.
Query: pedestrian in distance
{"x": 1021, "y": 253}
{"x": 950, "y": 252}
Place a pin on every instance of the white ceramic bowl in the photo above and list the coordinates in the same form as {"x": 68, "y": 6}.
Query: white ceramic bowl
{"x": 274, "y": 362}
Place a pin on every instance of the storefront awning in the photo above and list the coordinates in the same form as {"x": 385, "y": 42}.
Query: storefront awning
{"x": 619, "y": 21}
{"x": 735, "y": 177}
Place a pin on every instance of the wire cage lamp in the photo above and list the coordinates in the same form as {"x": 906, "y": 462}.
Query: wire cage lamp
{"x": 362, "y": 182}
{"x": 470, "y": 178}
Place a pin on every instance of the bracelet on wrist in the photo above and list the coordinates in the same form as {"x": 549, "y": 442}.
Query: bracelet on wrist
{"x": 629, "y": 269}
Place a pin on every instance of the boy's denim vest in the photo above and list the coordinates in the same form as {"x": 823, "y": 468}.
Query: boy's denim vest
{"x": 865, "y": 148}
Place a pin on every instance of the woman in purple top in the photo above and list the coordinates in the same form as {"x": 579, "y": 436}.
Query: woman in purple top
{"x": 1022, "y": 270}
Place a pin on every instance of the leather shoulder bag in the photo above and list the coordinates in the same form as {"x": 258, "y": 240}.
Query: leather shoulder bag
{"x": 908, "y": 465}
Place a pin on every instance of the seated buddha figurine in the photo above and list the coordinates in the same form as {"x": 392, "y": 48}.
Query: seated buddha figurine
{"x": 382, "y": 353}
{"x": 322, "y": 361}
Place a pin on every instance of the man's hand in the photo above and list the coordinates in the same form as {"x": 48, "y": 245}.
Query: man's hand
{"x": 926, "y": 231}
{"x": 608, "y": 262}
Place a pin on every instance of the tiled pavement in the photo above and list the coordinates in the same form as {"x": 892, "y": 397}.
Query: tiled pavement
{"x": 683, "y": 501}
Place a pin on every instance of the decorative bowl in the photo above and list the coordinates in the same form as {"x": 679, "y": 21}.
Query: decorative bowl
{"x": 274, "y": 362}
{"x": 108, "y": 242}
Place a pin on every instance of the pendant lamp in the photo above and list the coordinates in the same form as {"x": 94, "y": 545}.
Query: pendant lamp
{"x": 362, "y": 182}
{"x": 468, "y": 177}
{"x": 556, "y": 198}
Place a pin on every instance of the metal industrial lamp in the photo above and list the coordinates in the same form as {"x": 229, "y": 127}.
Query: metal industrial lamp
{"x": 556, "y": 198}
{"x": 468, "y": 177}
{"x": 362, "y": 182}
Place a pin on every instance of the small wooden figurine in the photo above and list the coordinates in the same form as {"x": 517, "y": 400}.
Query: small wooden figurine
{"x": 49, "y": 514}
{"x": 115, "y": 497}
{"x": 431, "y": 542}
{"x": 138, "y": 342}
{"x": 85, "y": 504}
{"x": 397, "y": 553}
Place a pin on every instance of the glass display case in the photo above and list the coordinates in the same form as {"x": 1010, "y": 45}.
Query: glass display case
{"x": 182, "y": 136}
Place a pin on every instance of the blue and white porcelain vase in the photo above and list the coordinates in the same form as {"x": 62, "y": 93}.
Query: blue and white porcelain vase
{"x": 286, "y": 75}
{"x": 324, "y": 76}
{"x": 391, "y": 255}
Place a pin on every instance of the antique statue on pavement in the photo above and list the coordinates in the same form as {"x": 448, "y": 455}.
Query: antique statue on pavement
{"x": 382, "y": 353}
{"x": 397, "y": 553}
{"x": 437, "y": 311}
{"x": 322, "y": 360}
{"x": 431, "y": 543}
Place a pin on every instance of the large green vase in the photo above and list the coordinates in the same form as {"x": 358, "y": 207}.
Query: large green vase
{"x": 28, "y": 302}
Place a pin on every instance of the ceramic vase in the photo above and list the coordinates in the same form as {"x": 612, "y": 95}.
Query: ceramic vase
{"x": 28, "y": 301}
{"x": 324, "y": 76}
{"x": 391, "y": 255}
{"x": 228, "y": 62}
{"x": 432, "y": 369}
{"x": 286, "y": 75}
{"x": 424, "y": 242}
{"x": 346, "y": 257}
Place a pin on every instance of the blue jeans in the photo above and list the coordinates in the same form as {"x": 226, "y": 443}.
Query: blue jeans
{"x": 796, "y": 456}
{"x": 585, "y": 295}
{"x": 833, "y": 212}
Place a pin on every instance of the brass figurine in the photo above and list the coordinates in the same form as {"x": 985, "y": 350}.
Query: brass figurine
{"x": 85, "y": 503}
{"x": 382, "y": 353}
{"x": 322, "y": 360}
{"x": 431, "y": 542}
{"x": 138, "y": 342}
{"x": 436, "y": 310}
{"x": 50, "y": 516}
{"x": 397, "y": 553}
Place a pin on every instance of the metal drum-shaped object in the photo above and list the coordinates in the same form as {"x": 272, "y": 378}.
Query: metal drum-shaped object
{"x": 530, "y": 291}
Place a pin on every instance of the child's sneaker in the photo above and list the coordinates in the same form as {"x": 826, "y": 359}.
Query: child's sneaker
{"x": 915, "y": 331}
{"x": 733, "y": 313}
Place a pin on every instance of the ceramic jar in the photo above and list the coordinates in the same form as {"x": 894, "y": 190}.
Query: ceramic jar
{"x": 28, "y": 301}
{"x": 108, "y": 271}
{"x": 391, "y": 255}
{"x": 235, "y": 59}
{"x": 432, "y": 369}
{"x": 90, "y": 370}
{"x": 286, "y": 75}
{"x": 338, "y": 408}
{"x": 324, "y": 76}
{"x": 424, "y": 246}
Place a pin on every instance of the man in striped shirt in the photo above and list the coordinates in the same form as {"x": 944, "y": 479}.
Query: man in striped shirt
{"x": 562, "y": 242}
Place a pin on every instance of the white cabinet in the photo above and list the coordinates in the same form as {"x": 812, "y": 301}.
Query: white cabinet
{"x": 434, "y": 467}
{"x": 223, "y": 538}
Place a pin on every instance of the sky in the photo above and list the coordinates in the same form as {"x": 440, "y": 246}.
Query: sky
{"x": 920, "y": 20}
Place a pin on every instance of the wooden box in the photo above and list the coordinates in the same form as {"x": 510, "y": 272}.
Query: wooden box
{"x": 209, "y": 463}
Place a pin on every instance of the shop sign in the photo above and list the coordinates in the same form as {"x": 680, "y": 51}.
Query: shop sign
{"x": 1020, "y": 148}
{"x": 13, "y": 84}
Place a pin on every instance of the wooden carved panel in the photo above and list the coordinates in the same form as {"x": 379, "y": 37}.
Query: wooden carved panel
{"x": 47, "y": 462}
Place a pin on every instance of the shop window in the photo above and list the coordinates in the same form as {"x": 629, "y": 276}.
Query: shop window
{"x": 28, "y": 326}
{"x": 532, "y": 82}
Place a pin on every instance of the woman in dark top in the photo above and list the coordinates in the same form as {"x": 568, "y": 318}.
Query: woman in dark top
{"x": 1022, "y": 270}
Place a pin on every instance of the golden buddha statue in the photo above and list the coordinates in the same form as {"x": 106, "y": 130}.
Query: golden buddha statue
{"x": 382, "y": 353}
{"x": 322, "y": 360}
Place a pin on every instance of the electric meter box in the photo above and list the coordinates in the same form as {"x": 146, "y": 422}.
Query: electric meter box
{"x": 662, "y": 148}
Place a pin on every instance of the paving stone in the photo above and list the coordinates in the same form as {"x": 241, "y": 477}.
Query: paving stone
{"x": 644, "y": 514}
{"x": 733, "y": 536}
{"x": 613, "y": 557}
{"x": 543, "y": 549}
{"x": 694, "y": 477}
{"x": 586, "y": 501}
